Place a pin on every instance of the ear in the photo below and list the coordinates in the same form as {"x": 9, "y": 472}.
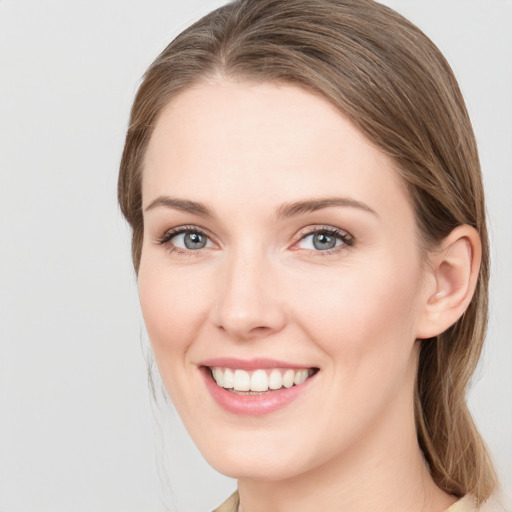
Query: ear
{"x": 453, "y": 274}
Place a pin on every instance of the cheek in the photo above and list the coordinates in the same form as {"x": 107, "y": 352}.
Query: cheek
{"x": 172, "y": 305}
{"x": 363, "y": 321}
{"x": 356, "y": 311}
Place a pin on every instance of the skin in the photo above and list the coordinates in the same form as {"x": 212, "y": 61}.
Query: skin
{"x": 259, "y": 289}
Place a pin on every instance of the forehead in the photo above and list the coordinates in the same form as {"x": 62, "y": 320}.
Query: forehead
{"x": 232, "y": 142}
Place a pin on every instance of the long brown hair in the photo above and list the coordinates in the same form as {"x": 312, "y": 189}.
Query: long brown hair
{"x": 393, "y": 83}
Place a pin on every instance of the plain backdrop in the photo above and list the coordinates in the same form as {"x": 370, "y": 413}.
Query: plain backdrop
{"x": 77, "y": 429}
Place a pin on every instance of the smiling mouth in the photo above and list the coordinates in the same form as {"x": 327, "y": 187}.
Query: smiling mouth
{"x": 259, "y": 381}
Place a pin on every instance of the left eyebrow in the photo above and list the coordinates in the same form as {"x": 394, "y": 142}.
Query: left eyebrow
{"x": 312, "y": 205}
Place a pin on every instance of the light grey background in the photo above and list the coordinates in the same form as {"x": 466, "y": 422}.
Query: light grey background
{"x": 77, "y": 432}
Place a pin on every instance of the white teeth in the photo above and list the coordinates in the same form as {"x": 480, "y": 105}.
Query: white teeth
{"x": 242, "y": 381}
{"x": 288, "y": 378}
{"x": 300, "y": 377}
{"x": 259, "y": 380}
{"x": 218, "y": 375}
{"x": 229, "y": 379}
{"x": 275, "y": 380}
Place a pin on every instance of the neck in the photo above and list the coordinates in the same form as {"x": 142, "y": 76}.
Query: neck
{"x": 384, "y": 471}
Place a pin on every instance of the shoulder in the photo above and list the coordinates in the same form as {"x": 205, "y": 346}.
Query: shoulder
{"x": 230, "y": 505}
{"x": 468, "y": 504}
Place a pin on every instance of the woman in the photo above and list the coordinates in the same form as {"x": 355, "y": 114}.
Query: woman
{"x": 309, "y": 235}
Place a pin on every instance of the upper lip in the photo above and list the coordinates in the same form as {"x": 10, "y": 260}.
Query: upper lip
{"x": 250, "y": 364}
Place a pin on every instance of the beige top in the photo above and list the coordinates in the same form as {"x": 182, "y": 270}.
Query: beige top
{"x": 466, "y": 504}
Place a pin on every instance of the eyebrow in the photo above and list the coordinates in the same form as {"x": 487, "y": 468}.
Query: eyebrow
{"x": 286, "y": 210}
{"x": 183, "y": 205}
{"x": 312, "y": 205}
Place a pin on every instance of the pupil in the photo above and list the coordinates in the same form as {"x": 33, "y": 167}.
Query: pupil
{"x": 323, "y": 242}
{"x": 194, "y": 241}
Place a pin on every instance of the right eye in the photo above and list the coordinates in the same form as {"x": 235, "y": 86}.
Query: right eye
{"x": 186, "y": 239}
{"x": 190, "y": 241}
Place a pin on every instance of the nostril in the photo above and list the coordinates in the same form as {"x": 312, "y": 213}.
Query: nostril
{"x": 261, "y": 328}
{"x": 245, "y": 307}
{"x": 256, "y": 323}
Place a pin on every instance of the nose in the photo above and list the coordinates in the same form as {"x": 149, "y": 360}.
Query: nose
{"x": 248, "y": 304}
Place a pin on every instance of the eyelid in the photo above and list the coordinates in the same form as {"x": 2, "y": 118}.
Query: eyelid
{"x": 322, "y": 228}
{"x": 172, "y": 232}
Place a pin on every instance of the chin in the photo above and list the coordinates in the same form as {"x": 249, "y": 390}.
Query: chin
{"x": 263, "y": 455}
{"x": 261, "y": 469}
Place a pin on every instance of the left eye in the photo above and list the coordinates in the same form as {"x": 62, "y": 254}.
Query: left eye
{"x": 322, "y": 241}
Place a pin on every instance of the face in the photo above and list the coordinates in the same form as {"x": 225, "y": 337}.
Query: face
{"x": 280, "y": 279}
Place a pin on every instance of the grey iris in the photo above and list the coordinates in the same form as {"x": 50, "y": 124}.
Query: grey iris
{"x": 323, "y": 242}
{"x": 194, "y": 241}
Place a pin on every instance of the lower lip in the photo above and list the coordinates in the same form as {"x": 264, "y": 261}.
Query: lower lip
{"x": 253, "y": 405}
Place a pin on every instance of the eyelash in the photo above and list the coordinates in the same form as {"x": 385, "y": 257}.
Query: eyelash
{"x": 346, "y": 239}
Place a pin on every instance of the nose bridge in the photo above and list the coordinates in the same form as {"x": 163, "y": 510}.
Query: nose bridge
{"x": 247, "y": 300}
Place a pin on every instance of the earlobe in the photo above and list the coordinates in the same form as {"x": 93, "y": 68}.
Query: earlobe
{"x": 454, "y": 269}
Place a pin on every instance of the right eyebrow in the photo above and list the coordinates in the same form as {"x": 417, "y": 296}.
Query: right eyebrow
{"x": 180, "y": 204}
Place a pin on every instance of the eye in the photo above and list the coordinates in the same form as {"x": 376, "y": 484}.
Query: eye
{"x": 325, "y": 239}
{"x": 184, "y": 239}
{"x": 190, "y": 241}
